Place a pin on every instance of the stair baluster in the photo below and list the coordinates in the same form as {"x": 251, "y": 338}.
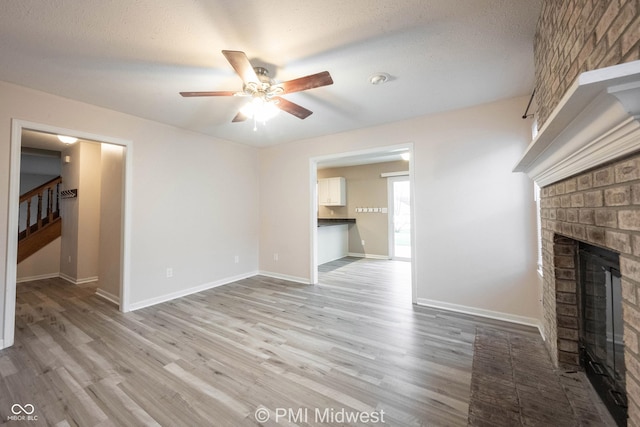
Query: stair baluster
{"x": 47, "y": 225}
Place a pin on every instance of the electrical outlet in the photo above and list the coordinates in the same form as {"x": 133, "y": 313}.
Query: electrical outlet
{"x": 69, "y": 259}
{"x": 237, "y": 259}
{"x": 363, "y": 243}
{"x": 169, "y": 272}
{"x": 275, "y": 256}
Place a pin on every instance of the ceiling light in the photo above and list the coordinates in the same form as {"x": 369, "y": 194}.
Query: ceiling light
{"x": 260, "y": 110}
{"x": 67, "y": 139}
{"x": 379, "y": 78}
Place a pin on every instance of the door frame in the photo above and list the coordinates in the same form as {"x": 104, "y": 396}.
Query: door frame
{"x": 391, "y": 211}
{"x": 313, "y": 206}
{"x": 17, "y": 125}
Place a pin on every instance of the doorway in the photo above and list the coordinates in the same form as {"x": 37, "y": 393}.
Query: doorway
{"x": 371, "y": 207}
{"x": 399, "y": 192}
{"x": 18, "y": 126}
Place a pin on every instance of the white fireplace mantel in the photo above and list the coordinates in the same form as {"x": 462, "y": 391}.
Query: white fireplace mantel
{"x": 598, "y": 120}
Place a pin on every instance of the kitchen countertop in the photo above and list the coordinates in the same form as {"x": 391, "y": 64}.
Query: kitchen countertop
{"x": 325, "y": 222}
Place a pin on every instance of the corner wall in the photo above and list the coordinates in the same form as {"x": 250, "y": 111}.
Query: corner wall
{"x": 474, "y": 218}
{"x": 111, "y": 223}
{"x": 81, "y": 216}
{"x": 194, "y": 197}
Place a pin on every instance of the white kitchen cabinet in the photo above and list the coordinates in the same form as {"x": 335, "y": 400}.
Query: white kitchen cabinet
{"x": 332, "y": 191}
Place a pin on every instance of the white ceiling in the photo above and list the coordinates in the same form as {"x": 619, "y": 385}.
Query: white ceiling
{"x": 135, "y": 56}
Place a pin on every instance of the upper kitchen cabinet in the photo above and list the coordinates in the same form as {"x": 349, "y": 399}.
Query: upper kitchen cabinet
{"x": 332, "y": 191}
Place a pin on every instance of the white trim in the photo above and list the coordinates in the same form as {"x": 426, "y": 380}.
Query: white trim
{"x": 127, "y": 229}
{"x": 391, "y": 235}
{"x": 295, "y": 279}
{"x": 108, "y": 296}
{"x": 369, "y": 256}
{"x": 313, "y": 211}
{"x": 390, "y": 214}
{"x": 12, "y": 244}
{"x": 38, "y": 277}
{"x": 489, "y": 314}
{"x": 13, "y": 208}
{"x": 392, "y": 174}
{"x": 77, "y": 282}
{"x": 2, "y": 344}
{"x": 183, "y": 293}
{"x": 597, "y": 121}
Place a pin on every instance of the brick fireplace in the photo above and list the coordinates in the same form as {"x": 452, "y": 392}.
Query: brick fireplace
{"x": 601, "y": 207}
{"x": 587, "y": 161}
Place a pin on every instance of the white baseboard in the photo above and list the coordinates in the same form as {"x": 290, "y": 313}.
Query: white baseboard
{"x": 77, "y": 282}
{"x": 490, "y": 314}
{"x": 38, "y": 277}
{"x": 183, "y": 293}
{"x": 370, "y": 256}
{"x": 108, "y": 296}
{"x": 1, "y": 344}
{"x": 302, "y": 280}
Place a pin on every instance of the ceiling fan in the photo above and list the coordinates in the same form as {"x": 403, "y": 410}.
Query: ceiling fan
{"x": 264, "y": 91}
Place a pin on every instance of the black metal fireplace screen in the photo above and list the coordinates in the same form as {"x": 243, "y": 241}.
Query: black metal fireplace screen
{"x": 601, "y": 337}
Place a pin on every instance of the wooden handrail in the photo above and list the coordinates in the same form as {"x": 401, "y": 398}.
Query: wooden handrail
{"x": 51, "y": 188}
{"x": 29, "y": 194}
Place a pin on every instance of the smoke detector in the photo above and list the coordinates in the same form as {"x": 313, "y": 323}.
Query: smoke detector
{"x": 379, "y": 78}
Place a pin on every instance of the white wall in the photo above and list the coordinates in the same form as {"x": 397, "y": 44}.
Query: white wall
{"x": 70, "y": 214}
{"x": 195, "y": 198}
{"x": 474, "y": 218}
{"x": 36, "y": 169}
{"x": 81, "y": 215}
{"x": 111, "y": 204}
{"x": 89, "y": 218}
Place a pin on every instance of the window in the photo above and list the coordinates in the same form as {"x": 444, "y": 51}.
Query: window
{"x": 536, "y": 193}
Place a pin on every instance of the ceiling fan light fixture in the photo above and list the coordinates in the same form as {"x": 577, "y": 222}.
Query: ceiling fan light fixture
{"x": 67, "y": 139}
{"x": 265, "y": 91}
{"x": 260, "y": 110}
{"x": 379, "y": 78}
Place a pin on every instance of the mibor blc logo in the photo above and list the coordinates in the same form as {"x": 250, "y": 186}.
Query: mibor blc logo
{"x": 22, "y": 412}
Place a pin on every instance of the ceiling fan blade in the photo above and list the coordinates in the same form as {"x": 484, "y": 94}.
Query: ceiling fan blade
{"x": 307, "y": 82}
{"x": 239, "y": 117}
{"x": 241, "y": 64}
{"x": 215, "y": 93}
{"x": 292, "y": 108}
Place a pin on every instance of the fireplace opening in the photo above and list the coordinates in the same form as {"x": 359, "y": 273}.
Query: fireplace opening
{"x": 601, "y": 346}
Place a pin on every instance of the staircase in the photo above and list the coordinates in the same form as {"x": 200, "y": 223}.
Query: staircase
{"x": 40, "y": 221}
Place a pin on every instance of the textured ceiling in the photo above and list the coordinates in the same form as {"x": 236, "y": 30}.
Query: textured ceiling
{"x": 135, "y": 56}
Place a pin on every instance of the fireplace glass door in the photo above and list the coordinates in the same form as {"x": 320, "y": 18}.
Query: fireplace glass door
{"x": 602, "y": 347}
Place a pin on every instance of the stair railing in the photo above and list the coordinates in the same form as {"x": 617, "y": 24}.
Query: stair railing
{"x": 39, "y": 207}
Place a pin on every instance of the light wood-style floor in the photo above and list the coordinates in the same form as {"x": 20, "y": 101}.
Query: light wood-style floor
{"x": 351, "y": 346}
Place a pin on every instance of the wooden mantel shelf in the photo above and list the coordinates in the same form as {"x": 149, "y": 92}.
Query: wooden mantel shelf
{"x": 598, "y": 120}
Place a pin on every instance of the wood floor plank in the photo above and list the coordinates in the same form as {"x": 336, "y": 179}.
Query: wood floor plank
{"x": 354, "y": 342}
